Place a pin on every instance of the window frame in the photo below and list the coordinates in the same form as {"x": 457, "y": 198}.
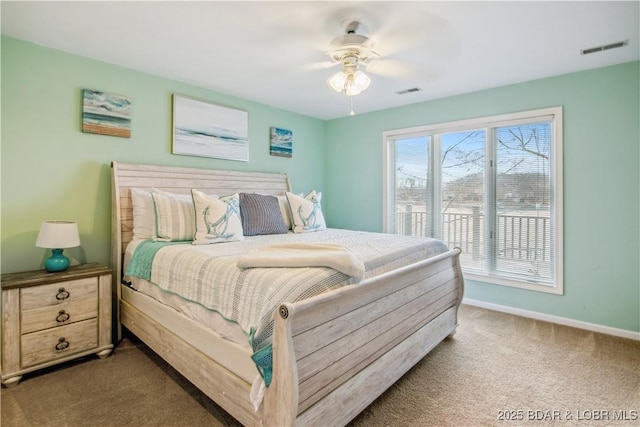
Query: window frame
{"x": 489, "y": 124}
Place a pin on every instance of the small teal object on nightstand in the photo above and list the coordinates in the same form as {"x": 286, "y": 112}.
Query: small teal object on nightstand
{"x": 57, "y": 235}
{"x": 57, "y": 262}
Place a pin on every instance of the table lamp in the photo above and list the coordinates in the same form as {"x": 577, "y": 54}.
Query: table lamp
{"x": 57, "y": 235}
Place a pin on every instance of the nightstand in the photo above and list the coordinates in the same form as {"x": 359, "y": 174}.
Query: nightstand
{"x": 50, "y": 318}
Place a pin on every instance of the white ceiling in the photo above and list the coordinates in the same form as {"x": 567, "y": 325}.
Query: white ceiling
{"x": 273, "y": 52}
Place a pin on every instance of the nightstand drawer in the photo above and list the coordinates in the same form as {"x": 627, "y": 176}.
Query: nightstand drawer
{"x": 58, "y": 293}
{"x": 51, "y": 344}
{"x": 59, "y": 315}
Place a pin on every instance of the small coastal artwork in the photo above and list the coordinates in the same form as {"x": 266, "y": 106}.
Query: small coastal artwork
{"x": 106, "y": 114}
{"x": 203, "y": 129}
{"x": 281, "y": 142}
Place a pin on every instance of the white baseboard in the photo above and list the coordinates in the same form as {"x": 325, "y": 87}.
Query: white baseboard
{"x": 554, "y": 319}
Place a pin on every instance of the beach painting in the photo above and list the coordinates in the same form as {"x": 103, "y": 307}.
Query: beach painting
{"x": 106, "y": 114}
{"x": 281, "y": 142}
{"x": 208, "y": 130}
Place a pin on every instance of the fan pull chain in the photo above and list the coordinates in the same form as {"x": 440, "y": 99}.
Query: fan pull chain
{"x": 351, "y": 113}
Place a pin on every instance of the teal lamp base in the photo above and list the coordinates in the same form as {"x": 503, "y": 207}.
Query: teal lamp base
{"x": 57, "y": 262}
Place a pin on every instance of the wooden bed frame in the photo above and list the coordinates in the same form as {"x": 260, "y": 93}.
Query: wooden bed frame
{"x": 333, "y": 354}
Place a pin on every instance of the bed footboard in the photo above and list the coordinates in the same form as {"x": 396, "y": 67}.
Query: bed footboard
{"x": 336, "y": 353}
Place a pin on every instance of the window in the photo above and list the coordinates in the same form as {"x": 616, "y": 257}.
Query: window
{"x": 490, "y": 186}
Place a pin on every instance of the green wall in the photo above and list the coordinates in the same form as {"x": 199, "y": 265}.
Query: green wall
{"x": 51, "y": 170}
{"x": 601, "y": 184}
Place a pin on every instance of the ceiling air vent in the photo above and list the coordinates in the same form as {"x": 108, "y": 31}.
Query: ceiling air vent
{"x": 411, "y": 90}
{"x": 604, "y": 47}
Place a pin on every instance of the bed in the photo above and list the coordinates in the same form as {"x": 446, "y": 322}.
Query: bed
{"x": 330, "y": 354}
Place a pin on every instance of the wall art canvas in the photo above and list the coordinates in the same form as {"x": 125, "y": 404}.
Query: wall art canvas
{"x": 281, "y": 142}
{"x": 208, "y": 130}
{"x": 106, "y": 114}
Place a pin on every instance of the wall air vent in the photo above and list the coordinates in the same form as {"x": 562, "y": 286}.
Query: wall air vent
{"x": 411, "y": 90}
{"x": 604, "y": 47}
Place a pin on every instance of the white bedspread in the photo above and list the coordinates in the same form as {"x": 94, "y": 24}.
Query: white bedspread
{"x": 209, "y": 275}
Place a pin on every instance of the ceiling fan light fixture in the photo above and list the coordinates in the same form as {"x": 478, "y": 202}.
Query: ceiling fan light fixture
{"x": 361, "y": 80}
{"x": 351, "y": 49}
{"x": 338, "y": 81}
{"x": 351, "y": 83}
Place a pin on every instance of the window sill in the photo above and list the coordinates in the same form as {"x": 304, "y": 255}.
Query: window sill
{"x": 556, "y": 289}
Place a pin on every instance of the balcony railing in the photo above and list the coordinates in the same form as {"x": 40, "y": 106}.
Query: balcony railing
{"x": 520, "y": 237}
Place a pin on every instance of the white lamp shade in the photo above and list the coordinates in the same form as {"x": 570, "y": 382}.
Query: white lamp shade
{"x": 338, "y": 81}
{"x": 349, "y": 83}
{"x": 58, "y": 235}
{"x": 361, "y": 80}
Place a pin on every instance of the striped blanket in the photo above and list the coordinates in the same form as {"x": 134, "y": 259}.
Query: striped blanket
{"x": 209, "y": 275}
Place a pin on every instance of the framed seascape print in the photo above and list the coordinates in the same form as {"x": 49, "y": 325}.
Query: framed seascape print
{"x": 281, "y": 142}
{"x": 208, "y": 130}
{"x": 106, "y": 114}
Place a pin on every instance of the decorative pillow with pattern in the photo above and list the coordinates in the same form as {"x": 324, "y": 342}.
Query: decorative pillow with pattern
{"x": 306, "y": 212}
{"x": 261, "y": 214}
{"x": 174, "y": 216}
{"x": 217, "y": 219}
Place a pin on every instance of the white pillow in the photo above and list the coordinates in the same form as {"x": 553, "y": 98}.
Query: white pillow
{"x": 306, "y": 212}
{"x": 174, "y": 215}
{"x": 285, "y": 210}
{"x": 217, "y": 219}
{"x": 144, "y": 216}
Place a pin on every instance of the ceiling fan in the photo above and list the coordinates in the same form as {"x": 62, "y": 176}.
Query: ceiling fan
{"x": 351, "y": 49}
{"x": 411, "y": 46}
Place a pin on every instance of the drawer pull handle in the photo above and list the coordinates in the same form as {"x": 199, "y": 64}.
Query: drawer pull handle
{"x": 62, "y": 316}
{"x": 63, "y": 344}
{"x": 62, "y": 294}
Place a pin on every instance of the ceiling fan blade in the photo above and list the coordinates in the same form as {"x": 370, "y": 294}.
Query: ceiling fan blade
{"x": 416, "y": 25}
{"x": 322, "y": 65}
{"x": 390, "y": 68}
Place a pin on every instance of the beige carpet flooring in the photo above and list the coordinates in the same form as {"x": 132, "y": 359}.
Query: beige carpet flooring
{"x": 498, "y": 370}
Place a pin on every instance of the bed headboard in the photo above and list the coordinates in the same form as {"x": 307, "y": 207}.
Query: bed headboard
{"x": 125, "y": 176}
